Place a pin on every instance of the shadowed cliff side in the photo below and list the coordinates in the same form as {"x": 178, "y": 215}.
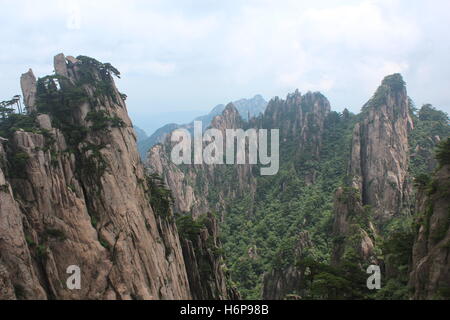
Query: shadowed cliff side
{"x": 430, "y": 269}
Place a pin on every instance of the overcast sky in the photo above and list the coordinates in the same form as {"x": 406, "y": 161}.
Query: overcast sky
{"x": 190, "y": 55}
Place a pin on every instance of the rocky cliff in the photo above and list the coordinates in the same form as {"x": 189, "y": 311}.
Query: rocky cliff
{"x": 202, "y": 250}
{"x": 380, "y": 155}
{"x": 430, "y": 269}
{"x": 379, "y": 187}
{"x": 74, "y": 192}
{"x": 201, "y": 188}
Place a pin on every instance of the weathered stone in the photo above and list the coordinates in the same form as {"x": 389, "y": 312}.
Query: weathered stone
{"x": 44, "y": 121}
{"x": 430, "y": 270}
{"x": 28, "y": 84}
{"x": 101, "y": 221}
{"x": 60, "y": 65}
{"x": 380, "y": 155}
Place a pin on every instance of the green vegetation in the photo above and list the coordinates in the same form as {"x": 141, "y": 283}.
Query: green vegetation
{"x": 55, "y": 234}
{"x": 4, "y": 188}
{"x": 394, "y": 82}
{"x": 300, "y": 199}
{"x": 99, "y": 76}
{"x": 286, "y": 205}
{"x": 14, "y": 122}
{"x": 161, "y": 198}
{"x": 101, "y": 121}
{"x": 104, "y": 243}
{"x": 18, "y": 162}
{"x": 41, "y": 252}
{"x": 443, "y": 153}
{"x": 19, "y": 291}
{"x": 397, "y": 251}
{"x": 93, "y": 165}
{"x": 429, "y": 123}
{"x": 188, "y": 228}
{"x": 391, "y": 83}
{"x": 348, "y": 281}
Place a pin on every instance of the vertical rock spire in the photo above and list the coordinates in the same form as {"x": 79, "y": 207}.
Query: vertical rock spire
{"x": 28, "y": 85}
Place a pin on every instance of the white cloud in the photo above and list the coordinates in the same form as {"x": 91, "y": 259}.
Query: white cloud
{"x": 156, "y": 68}
{"x": 74, "y": 15}
{"x": 213, "y": 51}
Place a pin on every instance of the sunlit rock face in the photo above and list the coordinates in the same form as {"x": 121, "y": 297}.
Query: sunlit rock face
{"x": 74, "y": 192}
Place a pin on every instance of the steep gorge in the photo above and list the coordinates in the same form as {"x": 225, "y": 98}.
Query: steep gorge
{"x": 343, "y": 194}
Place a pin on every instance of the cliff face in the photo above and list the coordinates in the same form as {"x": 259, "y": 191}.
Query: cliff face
{"x": 380, "y": 157}
{"x": 299, "y": 117}
{"x": 352, "y": 228}
{"x": 74, "y": 193}
{"x": 193, "y": 186}
{"x": 203, "y": 255}
{"x": 430, "y": 276}
{"x": 378, "y": 168}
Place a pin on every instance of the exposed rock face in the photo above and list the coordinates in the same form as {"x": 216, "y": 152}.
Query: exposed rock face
{"x": 28, "y": 84}
{"x": 229, "y": 119}
{"x": 61, "y": 65}
{"x": 379, "y": 189}
{"x": 177, "y": 181}
{"x": 299, "y": 116}
{"x": 18, "y": 277}
{"x": 379, "y": 161}
{"x": 300, "y": 119}
{"x": 205, "y": 264}
{"x": 352, "y": 227}
{"x": 280, "y": 284}
{"x": 430, "y": 276}
{"x": 83, "y": 203}
{"x": 191, "y": 184}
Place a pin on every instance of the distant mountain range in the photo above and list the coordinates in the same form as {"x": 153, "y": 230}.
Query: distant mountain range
{"x": 247, "y": 108}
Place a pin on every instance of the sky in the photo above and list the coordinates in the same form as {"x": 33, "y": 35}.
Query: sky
{"x": 181, "y": 58}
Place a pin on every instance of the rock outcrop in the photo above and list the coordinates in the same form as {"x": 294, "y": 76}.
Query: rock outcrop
{"x": 204, "y": 260}
{"x": 430, "y": 276}
{"x": 283, "y": 284}
{"x": 74, "y": 193}
{"x": 352, "y": 227}
{"x": 28, "y": 84}
{"x": 202, "y": 188}
{"x": 299, "y": 117}
{"x": 379, "y": 188}
{"x": 380, "y": 155}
